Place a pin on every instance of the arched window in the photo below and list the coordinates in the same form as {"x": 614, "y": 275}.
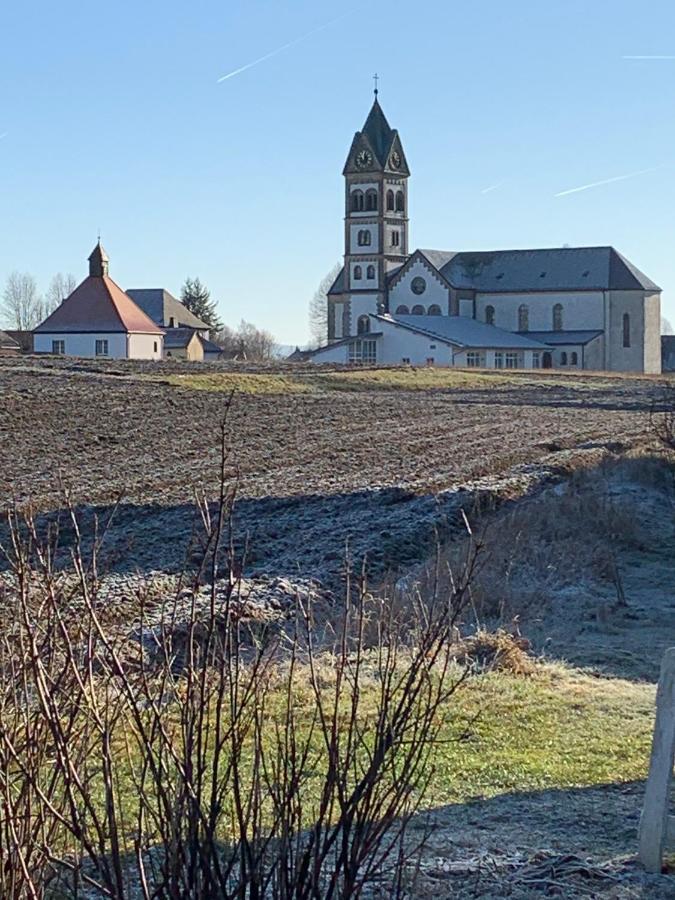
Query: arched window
{"x": 371, "y": 199}
{"x": 489, "y": 315}
{"x": 574, "y": 360}
{"x": 400, "y": 205}
{"x": 390, "y": 200}
{"x": 626, "y": 330}
{"x": 558, "y": 317}
{"x": 563, "y": 359}
{"x": 357, "y": 201}
{"x": 363, "y": 325}
{"x": 434, "y": 310}
{"x": 364, "y": 238}
{"x": 395, "y": 238}
{"x": 402, "y": 310}
{"x": 418, "y": 310}
{"x": 523, "y": 317}
{"x": 358, "y": 273}
{"x": 371, "y": 272}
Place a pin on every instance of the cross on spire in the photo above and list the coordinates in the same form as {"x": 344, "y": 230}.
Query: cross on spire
{"x": 376, "y": 78}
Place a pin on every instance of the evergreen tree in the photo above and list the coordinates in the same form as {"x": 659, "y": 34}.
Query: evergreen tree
{"x": 197, "y": 298}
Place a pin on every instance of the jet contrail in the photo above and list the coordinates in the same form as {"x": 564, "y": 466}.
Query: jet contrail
{"x": 585, "y": 187}
{"x": 493, "y": 187}
{"x": 648, "y": 57}
{"x": 280, "y": 49}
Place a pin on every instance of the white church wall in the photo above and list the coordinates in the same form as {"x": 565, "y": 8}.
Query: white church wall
{"x": 594, "y": 354}
{"x": 334, "y": 353}
{"x": 652, "y": 330}
{"x": 583, "y": 310}
{"x": 620, "y": 358}
{"x": 435, "y": 292}
{"x": 146, "y": 346}
{"x": 364, "y": 281}
{"x": 363, "y": 186}
{"x": 338, "y": 312}
{"x": 362, "y": 305}
{"x": 83, "y": 345}
{"x": 400, "y": 344}
{"x": 373, "y": 246}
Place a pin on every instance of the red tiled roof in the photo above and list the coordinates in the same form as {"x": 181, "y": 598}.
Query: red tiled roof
{"x": 98, "y": 304}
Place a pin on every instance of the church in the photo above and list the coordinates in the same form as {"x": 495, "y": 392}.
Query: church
{"x": 566, "y": 308}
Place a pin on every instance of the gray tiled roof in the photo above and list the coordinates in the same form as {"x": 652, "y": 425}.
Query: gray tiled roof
{"x": 210, "y": 346}
{"x": 466, "y": 332}
{"x": 556, "y": 338}
{"x": 161, "y": 306}
{"x": 553, "y": 269}
{"x": 177, "y": 337}
{"x": 338, "y": 286}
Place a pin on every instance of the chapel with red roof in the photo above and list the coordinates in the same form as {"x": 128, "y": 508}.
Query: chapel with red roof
{"x": 99, "y": 320}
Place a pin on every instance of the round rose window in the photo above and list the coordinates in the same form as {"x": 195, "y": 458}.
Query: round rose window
{"x": 418, "y": 285}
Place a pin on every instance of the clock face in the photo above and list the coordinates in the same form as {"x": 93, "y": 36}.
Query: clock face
{"x": 395, "y": 160}
{"x": 364, "y": 158}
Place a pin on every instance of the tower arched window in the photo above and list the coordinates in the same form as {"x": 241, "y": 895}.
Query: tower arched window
{"x": 371, "y": 272}
{"x": 418, "y": 310}
{"x": 371, "y": 199}
{"x": 364, "y": 238}
{"x": 434, "y": 310}
{"x": 357, "y": 201}
{"x": 395, "y": 239}
{"x": 558, "y": 317}
{"x": 574, "y": 359}
{"x": 390, "y": 201}
{"x": 563, "y": 358}
{"x": 400, "y": 202}
{"x": 363, "y": 325}
{"x": 358, "y": 273}
{"x": 523, "y": 317}
{"x": 626, "y": 330}
{"x": 489, "y": 315}
{"x": 402, "y": 310}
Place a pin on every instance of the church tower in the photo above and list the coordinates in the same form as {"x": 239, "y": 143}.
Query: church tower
{"x": 376, "y": 220}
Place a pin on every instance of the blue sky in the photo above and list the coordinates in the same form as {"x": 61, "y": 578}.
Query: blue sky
{"x": 113, "y": 117}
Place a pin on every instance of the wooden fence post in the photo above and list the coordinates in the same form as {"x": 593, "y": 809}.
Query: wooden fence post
{"x": 656, "y": 825}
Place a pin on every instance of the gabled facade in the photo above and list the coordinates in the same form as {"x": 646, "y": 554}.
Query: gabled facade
{"x": 584, "y": 307}
{"x": 165, "y": 311}
{"x": 99, "y": 320}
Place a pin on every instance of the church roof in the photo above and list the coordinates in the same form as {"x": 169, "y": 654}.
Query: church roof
{"x": 562, "y": 338}
{"x": 98, "y": 304}
{"x": 379, "y": 134}
{"x": 552, "y": 269}
{"x": 162, "y": 306}
{"x": 465, "y": 332}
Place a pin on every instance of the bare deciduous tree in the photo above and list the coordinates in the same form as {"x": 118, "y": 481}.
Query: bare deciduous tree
{"x": 247, "y": 342}
{"x": 22, "y": 306}
{"x": 318, "y": 308}
{"x": 60, "y": 287}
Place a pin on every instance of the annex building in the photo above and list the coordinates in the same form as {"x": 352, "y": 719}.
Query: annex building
{"x": 567, "y": 308}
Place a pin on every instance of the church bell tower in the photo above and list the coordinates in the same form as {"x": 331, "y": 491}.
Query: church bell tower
{"x": 376, "y": 214}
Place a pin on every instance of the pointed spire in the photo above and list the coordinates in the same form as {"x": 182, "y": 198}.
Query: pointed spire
{"x": 378, "y": 131}
{"x": 98, "y": 261}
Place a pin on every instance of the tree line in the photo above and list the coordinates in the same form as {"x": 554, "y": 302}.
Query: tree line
{"x": 23, "y": 306}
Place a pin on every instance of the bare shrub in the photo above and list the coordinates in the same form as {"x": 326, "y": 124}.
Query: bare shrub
{"x": 232, "y": 764}
{"x": 662, "y": 416}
